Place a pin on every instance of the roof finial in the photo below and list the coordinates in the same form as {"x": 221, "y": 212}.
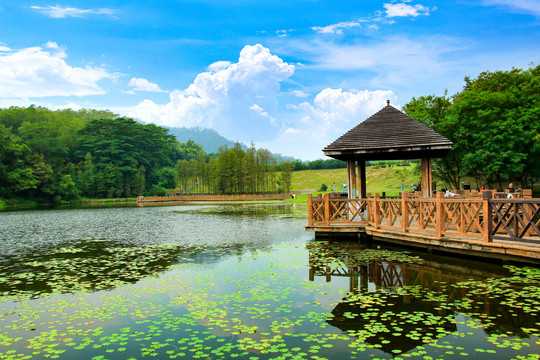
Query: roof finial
{"x": 388, "y": 102}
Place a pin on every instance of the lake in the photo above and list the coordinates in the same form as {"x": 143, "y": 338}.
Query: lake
{"x": 247, "y": 282}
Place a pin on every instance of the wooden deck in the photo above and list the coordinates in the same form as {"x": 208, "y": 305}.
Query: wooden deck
{"x": 505, "y": 229}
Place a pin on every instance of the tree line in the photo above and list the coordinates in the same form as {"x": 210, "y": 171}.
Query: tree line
{"x": 63, "y": 155}
{"x": 233, "y": 171}
{"x": 494, "y": 123}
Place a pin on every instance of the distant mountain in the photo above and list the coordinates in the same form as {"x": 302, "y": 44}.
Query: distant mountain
{"x": 211, "y": 140}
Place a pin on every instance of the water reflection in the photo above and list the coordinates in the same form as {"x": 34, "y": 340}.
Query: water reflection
{"x": 385, "y": 289}
{"x": 93, "y": 265}
{"x": 96, "y": 249}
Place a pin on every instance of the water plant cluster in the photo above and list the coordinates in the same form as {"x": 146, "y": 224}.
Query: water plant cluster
{"x": 291, "y": 300}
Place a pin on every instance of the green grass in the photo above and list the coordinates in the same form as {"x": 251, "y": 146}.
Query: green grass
{"x": 379, "y": 179}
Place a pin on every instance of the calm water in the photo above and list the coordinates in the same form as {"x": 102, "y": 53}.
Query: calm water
{"x": 247, "y": 282}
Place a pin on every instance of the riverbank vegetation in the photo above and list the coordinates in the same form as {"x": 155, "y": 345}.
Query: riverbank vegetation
{"x": 66, "y": 155}
{"x": 494, "y": 123}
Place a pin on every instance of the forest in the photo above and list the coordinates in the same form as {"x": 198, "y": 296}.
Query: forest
{"x": 65, "y": 155}
{"x": 494, "y": 123}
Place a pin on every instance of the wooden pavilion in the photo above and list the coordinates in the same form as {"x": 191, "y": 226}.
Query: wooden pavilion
{"x": 389, "y": 134}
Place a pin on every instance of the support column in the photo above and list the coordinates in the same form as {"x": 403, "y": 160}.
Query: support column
{"x": 426, "y": 177}
{"x": 351, "y": 178}
{"x": 362, "y": 179}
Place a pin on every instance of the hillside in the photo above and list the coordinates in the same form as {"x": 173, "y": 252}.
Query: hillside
{"x": 211, "y": 140}
{"x": 379, "y": 179}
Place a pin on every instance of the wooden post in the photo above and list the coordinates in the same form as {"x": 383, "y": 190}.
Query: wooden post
{"x": 376, "y": 210}
{"x": 426, "y": 177}
{"x": 362, "y": 179}
{"x": 310, "y": 209}
{"x": 404, "y": 211}
{"x": 488, "y": 216}
{"x": 351, "y": 178}
{"x": 327, "y": 210}
{"x": 440, "y": 214}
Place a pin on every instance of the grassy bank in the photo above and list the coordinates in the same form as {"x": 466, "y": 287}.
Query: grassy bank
{"x": 379, "y": 179}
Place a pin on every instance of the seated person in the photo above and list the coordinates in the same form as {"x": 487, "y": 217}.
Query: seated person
{"x": 510, "y": 190}
{"x": 447, "y": 193}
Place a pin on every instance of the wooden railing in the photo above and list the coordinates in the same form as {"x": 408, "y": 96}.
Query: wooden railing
{"x": 488, "y": 218}
{"x": 213, "y": 197}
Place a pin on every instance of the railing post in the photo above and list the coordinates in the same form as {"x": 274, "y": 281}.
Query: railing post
{"x": 404, "y": 211}
{"x": 440, "y": 214}
{"x": 327, "y": 210}
{"x": 488, "y": 216}
{"x": 376, "y": 211}
{"x": 310, "y": 209}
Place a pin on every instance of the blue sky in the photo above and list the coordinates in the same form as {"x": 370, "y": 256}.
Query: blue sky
{"x": 291, "y": 76}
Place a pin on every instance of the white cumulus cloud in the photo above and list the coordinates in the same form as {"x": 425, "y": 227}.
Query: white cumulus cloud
{"x": 239, "y": 99}
{"x": 43, "y": 71}
{"x": 401, "y": 9}
{"x": 139, "y": 84}
{"x": 333, "y": 108}
{"x": 332, "y": 113}
{"x": 63, "y": 12}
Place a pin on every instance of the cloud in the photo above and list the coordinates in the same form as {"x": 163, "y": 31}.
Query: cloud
{"x": 371, "y": 22}
{"x": 330, "y": 115}
{"x": 336, "y": 28}
{"x": 299, "y": 93}
{"x": 63, "y": 12}
{"x": 395, "y": 10}
{"x": 139, "y": 84}
{"x": 237, "y": 99}
{"x": 43, "y": 71}
{"x": 333, "y": 108}
{"x": 520, "y": 6}
{"x": 396, "y": 59}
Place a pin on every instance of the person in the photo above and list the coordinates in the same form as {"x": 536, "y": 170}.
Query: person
{"x": 483, "y": 188}
{"x": 448, "y": 193}
{"x": 511, "y": 189}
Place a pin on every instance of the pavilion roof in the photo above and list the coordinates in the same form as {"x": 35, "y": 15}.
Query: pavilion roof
{"x": 389, "y": 134}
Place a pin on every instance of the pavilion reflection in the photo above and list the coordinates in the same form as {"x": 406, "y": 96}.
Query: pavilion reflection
{"x": 444, "y": 279}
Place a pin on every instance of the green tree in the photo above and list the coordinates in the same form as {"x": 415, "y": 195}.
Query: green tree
{"x": 67, "y": 190}
{"x": 494, "y": 125}
{"x": 434, "y": 112}
{"x": 16, "y": 165}
{"x": 286, "y": 175}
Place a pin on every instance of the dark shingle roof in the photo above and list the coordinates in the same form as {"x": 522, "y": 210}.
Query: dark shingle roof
{"x": 389, "y": 134}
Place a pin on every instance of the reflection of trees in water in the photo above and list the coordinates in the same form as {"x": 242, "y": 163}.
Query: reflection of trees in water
{"x": 256, "y": 210}
{"x": 386, "y": 284}
{"x": 92, "y": 265}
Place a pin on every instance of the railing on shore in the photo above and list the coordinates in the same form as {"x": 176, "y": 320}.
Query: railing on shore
{"x": 246, "y": 197}
{"x": 488, "y": 218}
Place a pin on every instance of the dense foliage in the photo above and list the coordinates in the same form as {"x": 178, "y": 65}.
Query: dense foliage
{"x": 494, "y": 123}
{"x": 57, "y": 156}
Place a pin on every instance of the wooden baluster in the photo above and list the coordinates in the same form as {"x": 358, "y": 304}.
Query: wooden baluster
{"x": 376, "y": 210}
{"x": 439, "y": 214}
{"x": 404, "y": 211}
{"x": 310, "y": 209}
{"x": 327, "y": 210}
{"x": 488, "y": 215}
